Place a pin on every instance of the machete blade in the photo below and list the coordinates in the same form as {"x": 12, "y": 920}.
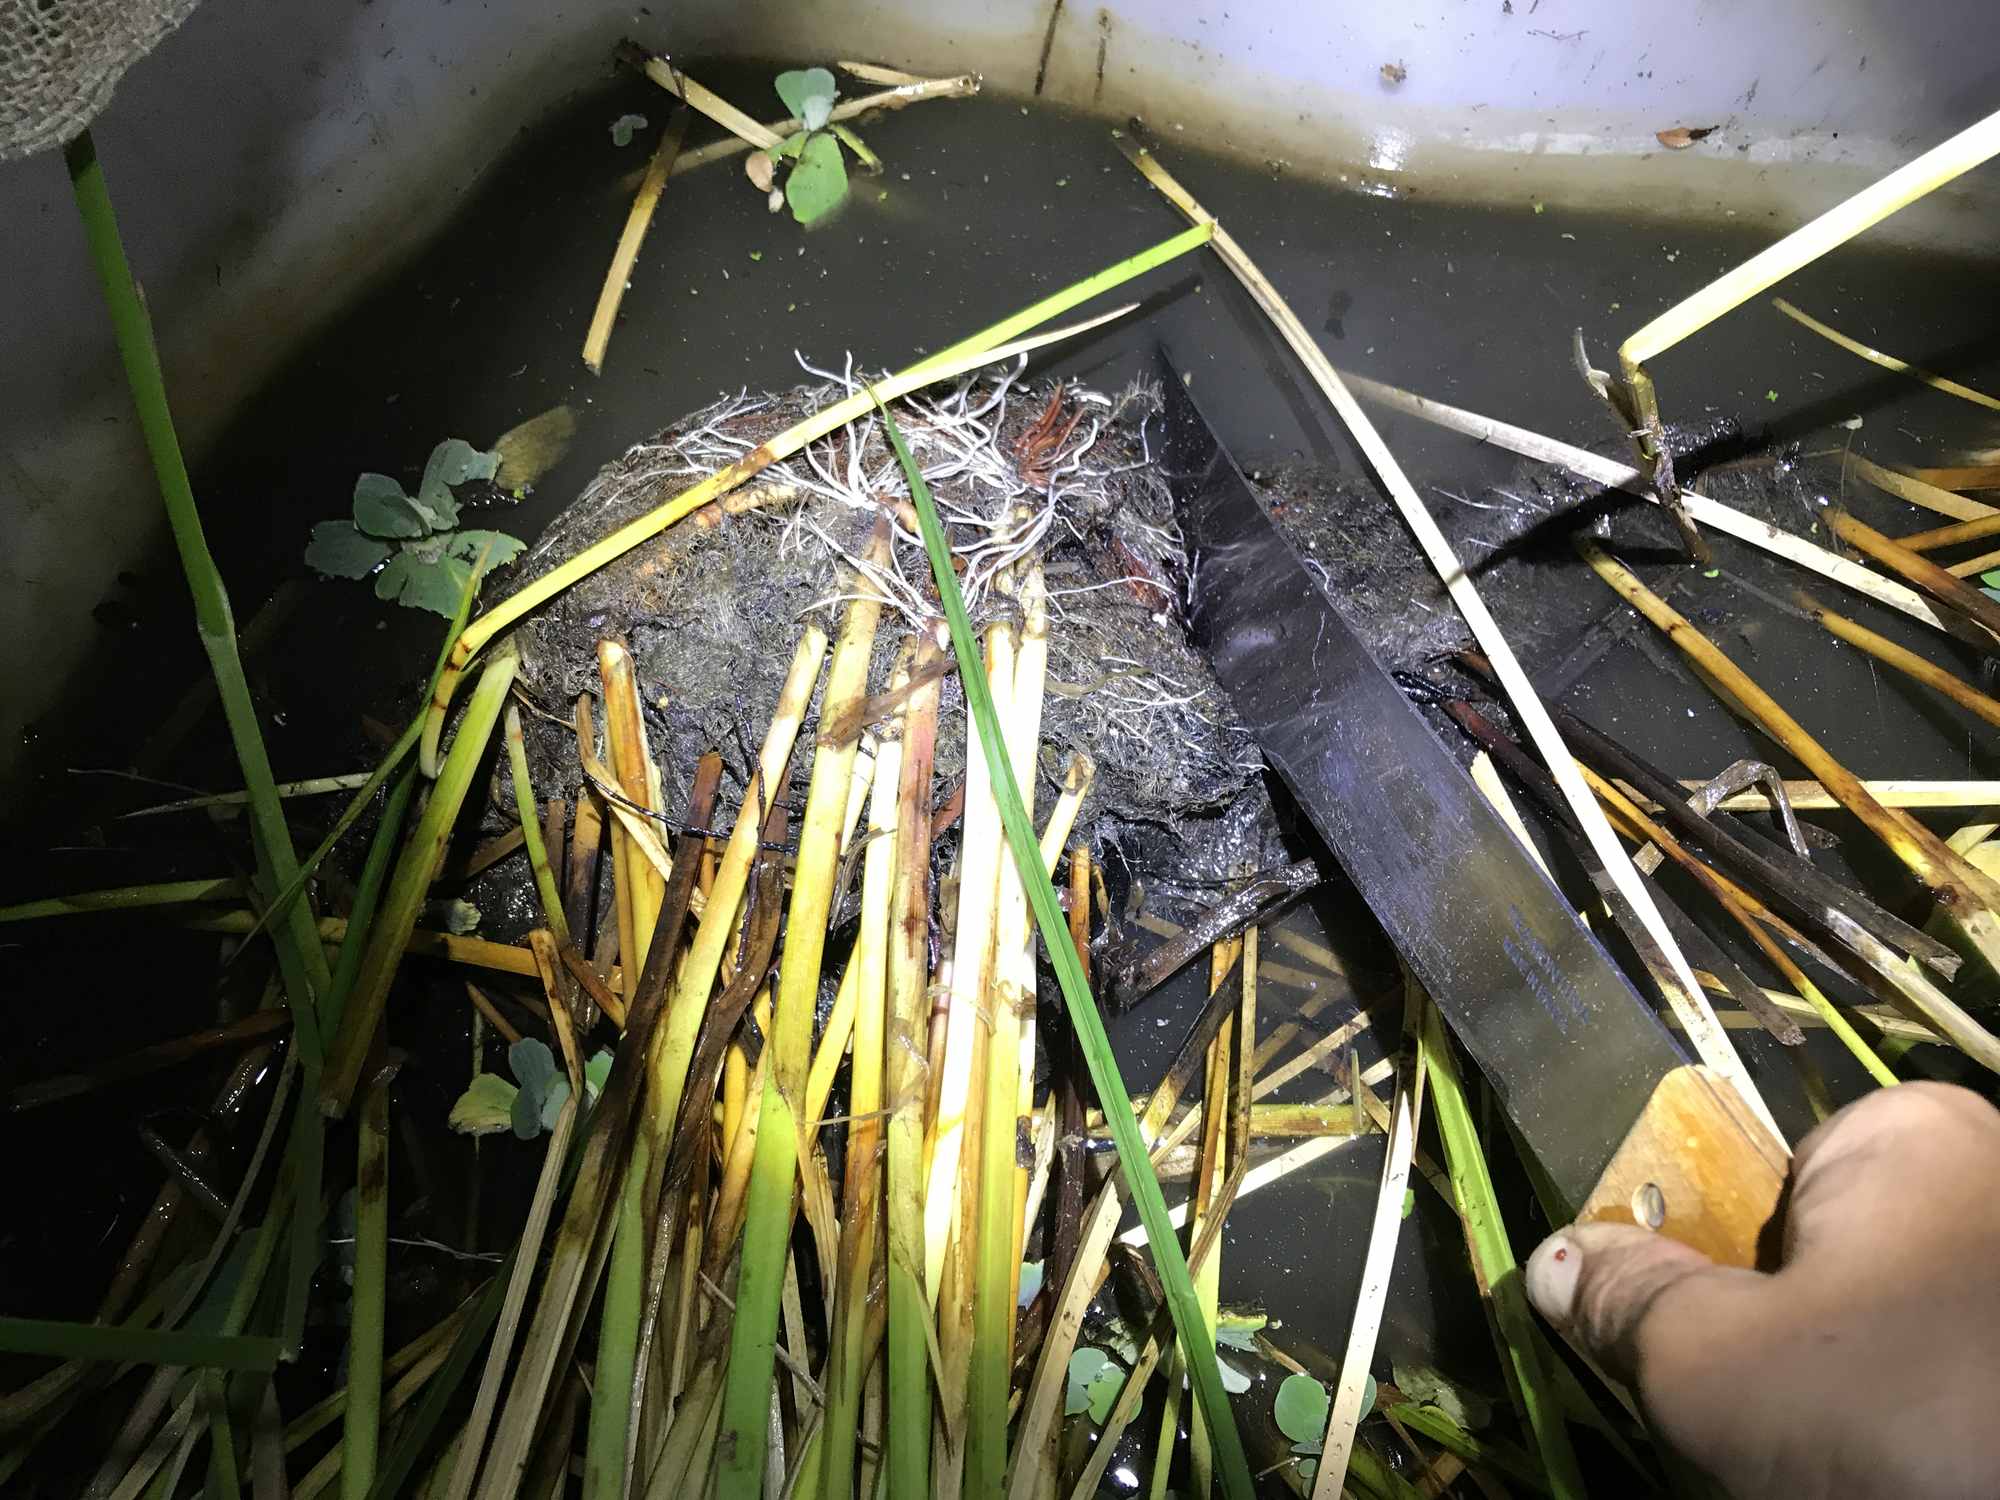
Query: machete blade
{"x": 1569, "y": 1047}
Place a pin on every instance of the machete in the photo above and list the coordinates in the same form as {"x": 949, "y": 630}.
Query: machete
{"x": 1621, "y": 1124}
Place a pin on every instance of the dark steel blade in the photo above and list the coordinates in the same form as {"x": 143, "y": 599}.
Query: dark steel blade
{"x": 1568, "y": 1045}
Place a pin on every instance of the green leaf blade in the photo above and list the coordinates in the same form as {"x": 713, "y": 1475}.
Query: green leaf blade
{"x": 381, "y": 509}
{"x": 808, "y": 92}
{"x": 339, "y": 550}
{"x": 818, "y": 182}
{"x": 486, "y": 1107}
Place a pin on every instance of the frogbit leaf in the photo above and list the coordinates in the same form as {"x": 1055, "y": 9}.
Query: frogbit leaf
{"x": 808, "y": 92}
{"x": 1103, "y": 1391}
{"x": 1084, "y": 1366}
{"x": 453, "y": 461}
{"x": 623, "y": 128}
{"x": 1234, "y": 1380}
{"x": 381, "y": 509}
{"x": 1300, "y": 1408}
{"x": 596, "y": 1069}
{"x": 1992, "y": 579}
{"x": 427, "y": 580}
{"x": 789, "y": 147}
{"x": 1031, "y": 1282}
{"x": 1239, "y": 1330}
{"x": 338, "y": 550}
{"x": 819, "y": 181}
{"x": 533, "y": 1065}
{"x": 526, "y": 1115}
{"x": 553, "y": 1102}
{"x": 485, "y": 1108}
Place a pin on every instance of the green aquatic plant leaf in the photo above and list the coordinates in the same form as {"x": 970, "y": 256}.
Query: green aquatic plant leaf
{"x": 465, "y": 547}
{"x": 452, "y": 462}
{"x": 595, "y": 1071}
{"x": 1467, "y": 1408}
{"x": 1300, "y": 1408}
{"x": 808, "y": 93}
{"x": 819, "y": 181}
{"x": 339, "y": 550}
{"x": 1084, "y": 1366}
{"x": 624, "y": 127}
{"x": 486, "y": 1107}
{"x": 381, "y": 509}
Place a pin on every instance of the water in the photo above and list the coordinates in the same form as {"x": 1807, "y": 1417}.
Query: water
{"x": 984, "y": 206}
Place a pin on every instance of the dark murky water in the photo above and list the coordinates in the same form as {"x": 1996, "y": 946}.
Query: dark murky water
{"x": 984, "y": 206}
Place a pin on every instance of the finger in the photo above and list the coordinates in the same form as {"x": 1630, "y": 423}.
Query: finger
{"x": 1635, "y": 1301}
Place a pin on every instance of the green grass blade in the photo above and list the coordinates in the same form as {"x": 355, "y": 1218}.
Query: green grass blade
{"x": 144, "y": 1346}
{"x": 1493, "y": 1256}
{"x": 300, "y": 957}
{"x": 1111, "y": 1094}
{"x": 126, "y": 898}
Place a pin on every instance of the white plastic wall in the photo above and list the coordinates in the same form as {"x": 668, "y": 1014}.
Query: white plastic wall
{"x": 269, "y": 159}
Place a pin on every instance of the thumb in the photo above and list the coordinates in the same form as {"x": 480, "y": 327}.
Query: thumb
{"x": 1654, "y": 1313}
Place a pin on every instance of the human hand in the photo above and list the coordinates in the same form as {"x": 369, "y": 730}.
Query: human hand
{"x": 1868, "y": 1364}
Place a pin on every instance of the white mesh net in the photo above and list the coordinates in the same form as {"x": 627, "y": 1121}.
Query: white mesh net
{"x": 60, "y": 59}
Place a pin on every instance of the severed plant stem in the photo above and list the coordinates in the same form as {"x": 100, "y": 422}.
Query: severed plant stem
{"x": 390, "y": 933}
{"x": 361, "y": 1430}
{"x": 1886, "y": 361}
{"x": 746, "y": 1398}
{"x": 905, "y": 1066}
{"x": 1137, "y": 1171}
{"x": 1939, "y": 583}
{"x": 1961, "y": 692}
{"x": 637, "y": 222}
{"x": 861, "y": 1214}
{"x": 1965, "y": 895}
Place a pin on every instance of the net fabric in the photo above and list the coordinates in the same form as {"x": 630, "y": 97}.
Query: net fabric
{"x": 60, "y": 60}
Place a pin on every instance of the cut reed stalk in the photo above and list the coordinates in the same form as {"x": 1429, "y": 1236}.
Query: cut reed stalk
{"x": 1886, "y": 361}
{"x": 1089, "y": 1026}
{"x": 126, "y": 898}
{"x": 554, "y": 915}
{"x": 905, "y": 1064}
{"x": 1984, "y": 562}
{"x": 1965, "y": 895}
{"x": 598, "y": 339}
{"x": 1008, "y": 999}
{"x": 389, "y": 935}
{"x": 1614, "y": 474}
{"x": 361, "y": 1429}
{"x": 1951, "y": 536}
{"x": 743, "y": 1435}
{"x": 912, "y": 91}
{"x": 1345, "y": 1412}
{"x": 1932, "y": 676}
{"x": 985, "y": 347}
{"x": 625, "y": 747}
{"x": 1917, "y": 569}
{"x": 1916, "y": 491}
{"x": 849, "y": 1356}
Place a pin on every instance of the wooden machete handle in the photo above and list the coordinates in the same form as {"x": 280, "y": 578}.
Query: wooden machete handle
{"x": 1697, "y": 1167}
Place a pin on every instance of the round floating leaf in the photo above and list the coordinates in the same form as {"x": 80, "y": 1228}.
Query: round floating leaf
{"x": 453, "y": 461}
{"x": 486, "y": 1108}
{"x": 1103, "y": 1391}
{"x": 434, "y": 584}
{"x": 382, "y": 509}
{"x": 1084, "y": 1366}
{"x": 596, "y": 1069}
{"x": 1031, "y": 1281}
{"x": 391, "y": 581}
{"x": 1234, "y": 1380}
{"x": 533, "y": 1065}
{"x": 1300, "y": 1408}
{"x": 339, "y": 551}
{"x": 553, "y": 1102}
{"x": 806, "y": 90}
{"x": 623, "y": 127}
{"x": 526, "y": 1114}
{"x": 819, "y": 181}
